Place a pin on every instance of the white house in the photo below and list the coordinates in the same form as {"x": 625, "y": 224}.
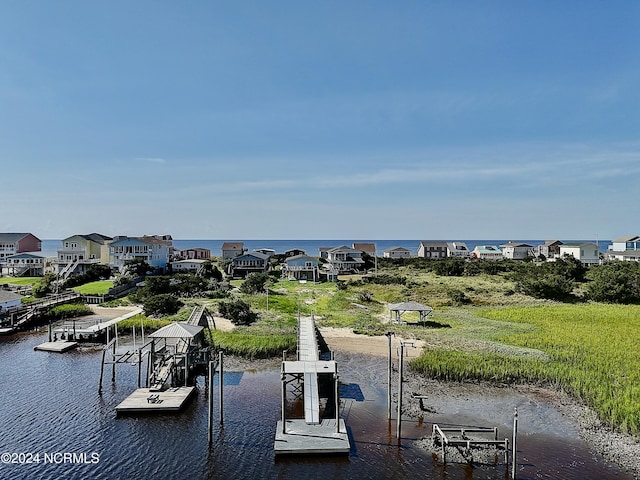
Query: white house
{"x": 517, "y": 251}
{"x": 626, "y": 248}
{"x": 397, "y": 252}
{"x": 184, "y": 266}
{"x": 586, "y": 252}
{"x": 458, "y": 249}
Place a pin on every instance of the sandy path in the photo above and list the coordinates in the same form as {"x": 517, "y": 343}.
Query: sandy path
{"x": 343, "y": 339}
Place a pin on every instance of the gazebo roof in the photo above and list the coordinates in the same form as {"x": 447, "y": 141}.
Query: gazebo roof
{"x": 177, "y": 330}
{"x": 410, "y": 307}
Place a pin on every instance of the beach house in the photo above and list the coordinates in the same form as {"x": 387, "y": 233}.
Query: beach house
{"x": 78, "y": 252}
{"x": 153, "y": 249}
{"x": 487, "y": 252}
{"x": 12, "y": 243}
{"x": 517, "y": 250}
{"x": 586, "y": 252}
{"x": 252, "y": 262}
{"x": 232, "y": 249}
{"x": 433, "y": 249}
{"x": 300, "y": 267}
{"x": 625, "y": 248}
{"x": 397, "y": 252}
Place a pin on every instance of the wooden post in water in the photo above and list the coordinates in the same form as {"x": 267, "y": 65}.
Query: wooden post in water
{"x": 513, "y": 455}
{"x": 221, "y": 385}
{"x": 389, "y": 334}
{"x": 399, "y": 420}
{"x": 113, "y": 354}
{"x": 284, "y": 402}
{"x": 50, "y": 331}
{"x": 139, "y": 368}
{"x": 210, "y": 425}
{"x": 104, "y": 352}
{"x": 337, "y": 393}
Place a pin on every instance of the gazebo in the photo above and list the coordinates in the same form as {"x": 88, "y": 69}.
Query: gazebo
{"x": 397, "y": 309}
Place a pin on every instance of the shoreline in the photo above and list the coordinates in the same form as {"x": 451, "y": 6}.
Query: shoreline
{"x": 616, "y": 448}
{"x": 613, "y": 447}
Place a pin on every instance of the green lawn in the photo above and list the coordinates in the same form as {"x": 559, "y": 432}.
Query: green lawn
{"x": 100, "y": 287}
{"x": 19, "y": 280}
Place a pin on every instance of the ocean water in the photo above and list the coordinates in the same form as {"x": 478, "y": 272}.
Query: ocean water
{"x": 311, "y": 247}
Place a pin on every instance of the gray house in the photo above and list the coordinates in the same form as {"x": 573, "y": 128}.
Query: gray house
{"x": 433, "y": 249}
{"x": 253, "y": 262}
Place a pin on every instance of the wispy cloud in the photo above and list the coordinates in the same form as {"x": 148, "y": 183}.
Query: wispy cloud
{"x": 151, "y": 159}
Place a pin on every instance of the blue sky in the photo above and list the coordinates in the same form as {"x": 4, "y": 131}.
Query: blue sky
{"x": 296, "y": 119}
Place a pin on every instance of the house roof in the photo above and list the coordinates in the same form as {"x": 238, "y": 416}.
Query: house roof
{"x": 433, "y": 243}
{"x": 232, "y": 245}
{"x": 7, "y": 296}
{"x": 548, "y": 243}
{"x": 627, "y": 238}
{"x": 26, "y": 255}
{"x": 488, "y": 249}
{"x": 194, "y": 260}
{"x": 259, "y": 255}
{"x": 343, "y": 248}
{"x": 298, "y": 257}
{"x": 97, "y": 237}
{"x": 578, "y": 244}
{"x": 367, "y": 247}
{"x": 458, "y": 246}
{"x": 517, "y": 244}
{"x": 13, "y": 237}
{"x": 397, "y": 249}
{"x": 177, "y": 330}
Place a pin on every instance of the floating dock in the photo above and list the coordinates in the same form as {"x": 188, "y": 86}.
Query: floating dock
{"x": 309, "y": 439}
{"x": 7, "y": 330}
{"x": 145, "y": 401}
{"x": 58, "y": 347}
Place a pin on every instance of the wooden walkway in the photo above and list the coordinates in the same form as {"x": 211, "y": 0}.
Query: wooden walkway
{"x": 313, "y": 434}
{"x": 99, "y": 327}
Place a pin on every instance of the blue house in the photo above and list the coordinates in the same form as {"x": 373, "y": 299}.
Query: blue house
{"x": 300, "y": 267}
{"x": 152, "y": 249}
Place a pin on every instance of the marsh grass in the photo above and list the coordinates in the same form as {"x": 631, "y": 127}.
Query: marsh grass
{"x": 150, "y": 324}
{"x": 588, "y": 350}
{"x": 258, "y": 341}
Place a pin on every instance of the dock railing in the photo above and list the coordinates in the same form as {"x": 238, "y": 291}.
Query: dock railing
{"x": 439, "y": 435}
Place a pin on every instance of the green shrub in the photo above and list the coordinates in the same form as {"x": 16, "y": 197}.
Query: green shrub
{"x": 163, "y": 304}
{"x": 68, "y": 310}
{"x": 238, "y": 311}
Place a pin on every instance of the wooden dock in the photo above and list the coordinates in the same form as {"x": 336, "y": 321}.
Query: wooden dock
{"x": 58, "y": 347}
{"x": 311, "y": 439}
{"x": 313, "y": 434}
{"x": 145, "y": 401}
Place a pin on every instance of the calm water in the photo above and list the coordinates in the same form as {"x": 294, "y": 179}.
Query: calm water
{"x": 50, "y": 404}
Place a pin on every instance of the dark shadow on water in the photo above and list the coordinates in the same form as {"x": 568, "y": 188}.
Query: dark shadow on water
{"x": 351, "y": 391}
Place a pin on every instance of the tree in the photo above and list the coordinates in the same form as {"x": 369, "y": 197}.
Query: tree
{"x": 163, "y": 304}
{"x": 137, "y": 266}
{"x": 238, "y": 311}
{"x": 254, "y": 283}
{"x": 617, "y": 282}
{"x": 551, "y": 285}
